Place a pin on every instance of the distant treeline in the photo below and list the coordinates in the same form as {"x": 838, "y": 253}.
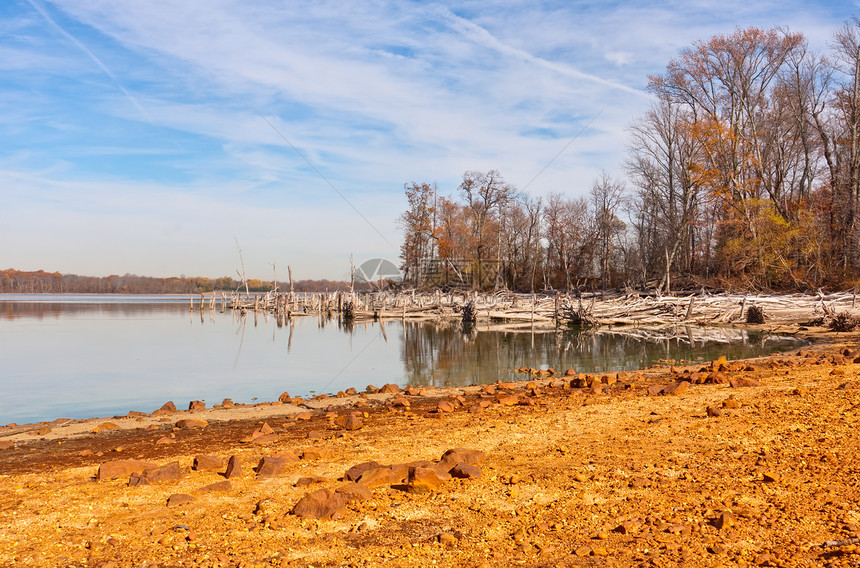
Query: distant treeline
{"x": 41, "y": 282}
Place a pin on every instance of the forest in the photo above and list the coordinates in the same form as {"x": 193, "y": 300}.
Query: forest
{"x": 744, "y": 174}
{"x": 41, "y": 282}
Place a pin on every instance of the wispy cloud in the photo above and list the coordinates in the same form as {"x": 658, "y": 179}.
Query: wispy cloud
{"x": 149, "y": 126}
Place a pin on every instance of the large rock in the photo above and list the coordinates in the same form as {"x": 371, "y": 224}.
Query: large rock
{"x": 234, "y": 467}
{"x": 166, "y": 408}
{"x": 353, "y": 473}
{"x": 389, "y": 388}
{"x": 423, "y": 480}
{"x": 122, "y": 468}
{"x": 320, "y": 504}
{"x": 271, "y": 466}
{"x": 379, "y": 477}
{"x": 196, "y": 405}
{"x": 203, "y": 463}
{"x": 354, "y": 492}
{"x": 191, "y": 424}
{"x": 349, "y": 421}
{"x": 158, "y": 474}
{"x": 458, "y": 455}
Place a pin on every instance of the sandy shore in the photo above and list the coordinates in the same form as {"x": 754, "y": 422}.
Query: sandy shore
{"x": 761, "y": 467}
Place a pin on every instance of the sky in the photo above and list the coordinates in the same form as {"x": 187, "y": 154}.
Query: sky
{"x": 151, "y": 136}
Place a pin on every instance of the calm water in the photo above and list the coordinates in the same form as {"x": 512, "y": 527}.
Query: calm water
{"x": 84, "y": 356}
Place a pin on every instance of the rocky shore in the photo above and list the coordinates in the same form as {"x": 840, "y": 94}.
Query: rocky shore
{"x": 721, "y": 463}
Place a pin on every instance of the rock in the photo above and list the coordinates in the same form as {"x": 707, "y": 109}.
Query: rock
{"x": 265, "y": 429}
{"x": 423, "y": 480}
{"x": 304, "y": 416}
{"x": 353, "y": 473}
{"x": 122, "y": 468}
{"x": 724, "y": 520}
{"x": 227, "y": 403}
{"x": 654, "y": 390}
{"x": 379, "y": 477}
{"x": 628, "y": 527}
{"x": 677, "y": 388}
{"x": 271, "y": 466}
{"x": 320, "y": 504}
{"x": 234, "y": 467}
{"x": 770, "y": 477}
{"x": 100, "y": 428}
{"x": 507, "y": 399}
{"x": 196, "y": 405}
{"x": 165, "y": 440}
{"x": 389, "y": 388}
{"x": 742, "y": 382}
{"x": 465, "y": 471}
{"x": 178, "y": 499}
{"x": 447, "y": 539}
{"x": 354, "y": 492}
{"x": 167, "y": 407}
{"x": 46, "y": 430}
{"x": 305, "y": 481}
{"x": 217, "y": 487}
{"x": 400, "y": 401}
{"x": 458, "y": 455}
{"x": 158, "y": 474}
{"x": 285, "y": 398}
{"x": 731, "y": 403}
{"x": 263, "y": 439}
{"x": 203, "y": 463}
{"x": 800, "y": 391}
{"x": 714, "y": 411}
{"x": 317, "y": 453}
{"x": 191, "y": 424}
{"x": 349, "y": 421}
{"x": 445, "y": 406}
{"x": 8, "y": 445}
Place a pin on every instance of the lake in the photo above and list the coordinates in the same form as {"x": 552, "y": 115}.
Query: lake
{"x": 82, "y": 356}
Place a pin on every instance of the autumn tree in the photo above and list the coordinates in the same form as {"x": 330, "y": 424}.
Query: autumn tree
{"x": 418, "y": 223}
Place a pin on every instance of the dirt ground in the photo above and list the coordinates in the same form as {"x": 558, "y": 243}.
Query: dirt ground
{"x": 612, "y": 474}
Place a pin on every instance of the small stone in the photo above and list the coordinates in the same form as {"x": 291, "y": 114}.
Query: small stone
{"x": 227, "y": 403}
{"x": 165, "y": 440}
{"x": 800, "y": 391}
{"x": 676, "y": 389}
{"x": 180, "y": 499}
{"x": 714, "y": 411}
{"x": 445, "y": 406}
{"x": 718, "y": 548}
{"x": 304, "y": 416}
{"x": 447, "y": 539}
{"x": 724, "y": 520}
{"x": 305, "y": 481}
{"x": 203, "y": 463}
{"x": 102, "y": 427}
{"x": 320, "y": 504}
{"x": 349, "y": 422}
{"x": 583, "y": 551}
{"x": 265, "y": 507}
{"x": 234, "y": 468}
{"x": 400, "y": 401}
{"x": 743, "y": 382}
{"x": 191, "y": 424}
{"x": 731, "y": 403}
{"x": 196, "y": 405}
{"x": 770, "y": 477}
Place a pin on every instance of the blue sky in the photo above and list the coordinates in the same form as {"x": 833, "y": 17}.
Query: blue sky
{"x": 145, "y": 136}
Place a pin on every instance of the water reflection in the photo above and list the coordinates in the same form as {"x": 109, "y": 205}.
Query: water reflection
{"x": 80, "y": 359}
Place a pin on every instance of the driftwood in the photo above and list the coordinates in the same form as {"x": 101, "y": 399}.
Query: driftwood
{"x": 632, "y": 309}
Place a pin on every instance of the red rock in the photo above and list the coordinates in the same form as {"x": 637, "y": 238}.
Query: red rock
{"x": 122, "y": 468}
{"x": 305, "y": 481}
{"x": 371, "y": 389}
{"x": 423, "y": 480}
{"x": 465, "y": 471}
{"x": 168, "y": 406}
{"x": 234, "y": 467}
{"x": 379, "y": 477}
{"x": 165, "y": 440}
{"x": 351, "y": 391}
{"x": 349, "y": 421}
{"x": 724, "y": 520}
{"x": 304, "y": 416}
{"x": 400, "y": 401}
{"x": 389, "y": 388}
{"x": 101, "y": 427}
{"x": 196, "y": 405}
{"x": 714, "y": 411}
{"x": 45, "y": 430}
{"x": 227, "y": 403}
{"x": 731, "y": 403}
{"x": 203, "y": 463}
{"x": 285, "y": 398}
{"x": 743, "y": 382}
{"x": 177, "y": 499}
{"x": 676, "y": 388}
{"x": 191, "y": 424}
{"x": 320, "y": 504}
{"x": 458, "y": 455}
{"x": 217, "y": 487}
{"x": 271, "y": 466}
{"x": 507, "y": 400}
{"x": 353, "y": 473}
{"x": 352, "y": 492}
{"x": 317, "y": 453}
{"x": 8, "y": 445}
{"x": 261, "y": 439}
{"x": 445, "y": 406}
{"x": 158, "y": 474}
{"x": 488, "y": 389}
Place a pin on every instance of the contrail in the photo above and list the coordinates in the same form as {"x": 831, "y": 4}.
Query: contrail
{"x": 325, "y": 179}
{"x": 95, "y": 59}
